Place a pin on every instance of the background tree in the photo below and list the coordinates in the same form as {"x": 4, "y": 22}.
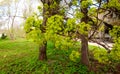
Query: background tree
{"x": 15, "y": 13}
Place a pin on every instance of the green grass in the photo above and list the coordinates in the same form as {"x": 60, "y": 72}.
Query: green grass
{"x": 21, "y": 57}
{"x": 12, "y": 52}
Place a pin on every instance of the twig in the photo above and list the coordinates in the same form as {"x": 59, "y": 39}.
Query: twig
{"x": 103, "y": 45}
{"x": 98, "y": 25}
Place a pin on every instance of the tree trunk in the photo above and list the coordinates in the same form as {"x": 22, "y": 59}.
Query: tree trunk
{"x": 42, "y": 49}
{"x": 84, "y": 39}
{"x": 47, "y": 12}
{"x": 84, "y": 50}
{"x": 42, "y": 52}
{"x": 12, "y": 36}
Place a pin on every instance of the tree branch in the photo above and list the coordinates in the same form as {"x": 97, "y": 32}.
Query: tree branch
{"x": 98, "y": 25}
{"x": 103, "y": 45}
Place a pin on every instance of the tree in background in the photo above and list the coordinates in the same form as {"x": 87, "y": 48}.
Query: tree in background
{"x": 15, "y": 13}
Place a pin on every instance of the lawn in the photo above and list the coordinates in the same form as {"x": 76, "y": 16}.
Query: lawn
{"x": 14, "y": 53}
{"x": 21, "y": 57}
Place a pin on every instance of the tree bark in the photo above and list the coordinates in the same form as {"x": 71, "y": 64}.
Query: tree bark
{"x": 42, "y": 52}
{"x": 47, "y": 12}
{"x": 84, "y": 50}
{"x": 84, "y": 39}
{"x": 42, "y": 49}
